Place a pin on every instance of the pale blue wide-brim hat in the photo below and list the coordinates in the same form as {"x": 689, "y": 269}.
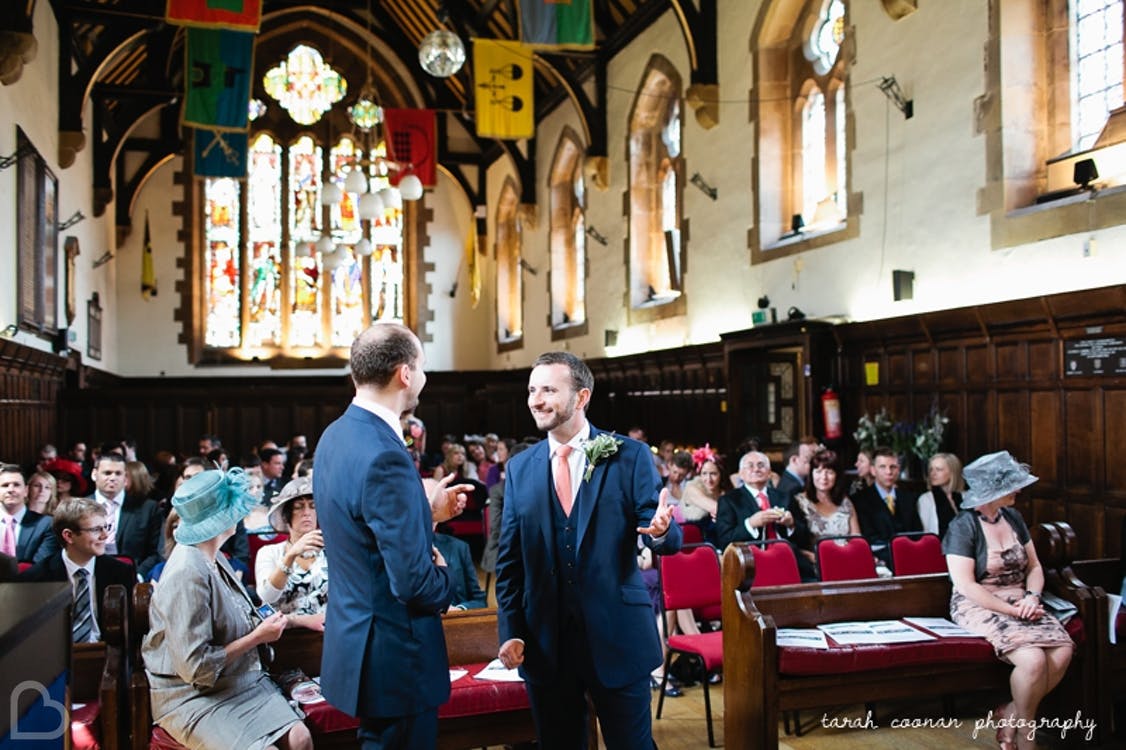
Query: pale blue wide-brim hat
{"x": 210, "y": 503}
{"x": 993, "y": 476}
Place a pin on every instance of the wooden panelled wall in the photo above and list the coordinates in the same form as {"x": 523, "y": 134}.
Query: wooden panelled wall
{"x": 30, "y": 384}
{"x": 998, "y": 372}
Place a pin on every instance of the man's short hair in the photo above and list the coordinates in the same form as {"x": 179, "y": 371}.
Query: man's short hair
{"x": 267, "y": 455}
{"x": 793, "y": 450}
{"x": 581, "y": 376}
{"x": 214, "y": 440}
{"x": 12, "y": 469}
{"x": 70, "y": 515}
{"x": 884, "y": 451}
{"x": 683, "y": 459}
{"x": 114, "y": 458}
{"x": 379, "y": 351}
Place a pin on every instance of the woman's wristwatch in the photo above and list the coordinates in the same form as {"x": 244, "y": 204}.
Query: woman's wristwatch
{"x": 1033, "y": 593}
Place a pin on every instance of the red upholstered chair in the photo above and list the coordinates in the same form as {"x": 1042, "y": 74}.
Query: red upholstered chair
{"x": 917, "y": 553}
{"x": 692, "y": 533}
{"x": 845, "y": 558}
{"x": 24, "y": 566}
{"x": 259, "y": 540}
{"x": 690, "y": 579}
{"x": 775, "y": 564}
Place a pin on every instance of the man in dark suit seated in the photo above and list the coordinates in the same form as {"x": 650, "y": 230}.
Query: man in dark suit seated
{"x": 797, "y": 458}
{"x": 884, "y": 509}
{"x": 24, "y": 534}
{"x": 82, "y": 527}
{"x": 135, "y": 521}
{"x": 467, "y": 593}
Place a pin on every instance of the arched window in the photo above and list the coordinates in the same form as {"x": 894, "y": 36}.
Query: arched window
{"x": 799, "y": 108}
{"x": 1096, "y": 66}
{"x": 567, "y": 243}
{"x": 656, "y": 183}
{"x": 510, "y": 282}
{"x": 283, "y": 275}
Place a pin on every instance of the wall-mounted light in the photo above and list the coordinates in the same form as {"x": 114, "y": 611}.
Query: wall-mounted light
{"x": 891, "y": 90}
{"x": 902, "y": 285}
{"x": 797, "y": 225}
{"x": 597, "y": 236}
{"x": 102, "y": 259}
{"x": 26, "y": 150}
{"x": 1084, "y": 173}
{"x": 75, "y": 217}
{"x": 9, "y": 331}
{"x": 707, "y": 189}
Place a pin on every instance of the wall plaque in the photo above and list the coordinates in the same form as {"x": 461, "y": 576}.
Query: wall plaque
{"x": 1101, "y": 356}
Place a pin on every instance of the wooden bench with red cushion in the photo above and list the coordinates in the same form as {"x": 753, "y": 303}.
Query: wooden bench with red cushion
{"x": 763, "y": 680}
{"x": 98, "y": 676}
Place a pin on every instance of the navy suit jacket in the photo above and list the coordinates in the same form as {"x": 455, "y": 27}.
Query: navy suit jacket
{"x": 138, "y": 533}
{"x": 877, "y": 524}
{"x": 385, "y": 652}
{"x": 620, "y": 497}
{"x": 107, "y": 572}
{"x": 789, "y": 485}
{"x": 35, "y": 540}
{"x": 738, "y": 505}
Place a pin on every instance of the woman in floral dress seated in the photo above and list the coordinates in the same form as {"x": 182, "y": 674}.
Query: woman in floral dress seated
{"x": 292, "y": 575}
{"x": 822, "y": 510}
{"x": 997, "y": 585}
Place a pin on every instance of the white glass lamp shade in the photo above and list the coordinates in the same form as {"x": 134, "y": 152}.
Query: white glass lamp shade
{"x": 410, "y": 187}
{"x": 441, "y": 53}
{"x": 325, "y": 245}
{"x": 364, "y": 247}
{"x": 371, "y": 206}
{"x": 355, "y": 182}
{"x": 391, "y": 198}
{"x": 331, "y": 194}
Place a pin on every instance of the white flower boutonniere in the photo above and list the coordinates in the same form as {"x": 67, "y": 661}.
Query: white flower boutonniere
{"x": 601, "y": 447}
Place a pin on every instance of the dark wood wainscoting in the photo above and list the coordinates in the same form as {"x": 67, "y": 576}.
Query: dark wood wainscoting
{"x": 30, "y": 384}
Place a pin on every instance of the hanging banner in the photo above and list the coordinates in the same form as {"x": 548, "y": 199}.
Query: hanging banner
{"x": 242, "y": 15}
{"x": 220, "y": 154}
{"x": 148, "y": 274}
{"x": 411, "y": 142}
{"x": 218, "y": 67}
{"x": 503, "y": 83}
{"x": 564, "y": 24}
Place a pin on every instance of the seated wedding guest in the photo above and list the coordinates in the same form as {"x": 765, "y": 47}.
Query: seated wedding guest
{"x": 135, "y": 520}
{"x": 292, "y": 575}
{"x": 997, "y": 586}
{"x": 467, "y": 593}
{"x": 138, "y": 480}
{"x": 864, "y": 477}
{"x": 24, "y": 534}
{"x": 219, "y": 459}
{"x": 496, "y": 471}
{"x": 884, "y": 508}
{"x": 69, "y": 482}
{"x": 822, "y": 509}
{"x": 41, "y": 494}
{"x": 82, "y": 530}
{"x": 207, "y": 682}
{"x": 938, "y": 506}
{"x": 679, "y": 471}
{"x": 169, "y": 532}
{"x": 700, "y": 501}
{"x": 455, "y": 463}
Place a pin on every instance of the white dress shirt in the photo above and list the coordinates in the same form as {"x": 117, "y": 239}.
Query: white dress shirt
{"x": 381, "y": 411}
{"x": 71, "y": 568}
{"x": 576, "y": 461}
{"x": 113, "y": 513}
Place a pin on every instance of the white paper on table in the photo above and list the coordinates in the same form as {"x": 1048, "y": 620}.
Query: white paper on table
{"x": 895, "y": 631}
{"x": 941, "y": 627}
{"x": 494, "y": 671}
{"x": 875, "y": 632}
{"x": 801, "y": 638}
{"x": 1114, "y": 601}
{"x": 457, "y": 674}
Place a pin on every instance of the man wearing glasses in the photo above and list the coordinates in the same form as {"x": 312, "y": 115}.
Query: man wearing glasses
{"x": 82, "y": 529}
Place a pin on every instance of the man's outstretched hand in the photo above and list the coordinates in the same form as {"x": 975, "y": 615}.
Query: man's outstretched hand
{"x": 661, "y": 519}
{"x": 446, "y": 501}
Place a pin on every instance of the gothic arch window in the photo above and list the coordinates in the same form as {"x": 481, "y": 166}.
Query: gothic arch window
{"x": 510, "y": 282}
{"x": 656, "y": 194}
{"x": 284, "y": 277}
{"x": 567, "y": 239}
{"x": 1071, "y": 110}
{"x": 800, "y": 111}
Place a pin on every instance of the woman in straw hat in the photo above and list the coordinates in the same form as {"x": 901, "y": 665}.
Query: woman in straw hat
{"x": 293, "y": 575}
{"x": 997, "y": 586}
{"x": 207, "y": 683}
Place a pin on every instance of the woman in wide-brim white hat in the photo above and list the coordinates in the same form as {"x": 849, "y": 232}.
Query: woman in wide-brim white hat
{"x": 206, "y": 680}
{"x": 997, "y": 586}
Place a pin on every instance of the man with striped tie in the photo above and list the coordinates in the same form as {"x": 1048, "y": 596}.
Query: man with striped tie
{"x": 82, "y": 528}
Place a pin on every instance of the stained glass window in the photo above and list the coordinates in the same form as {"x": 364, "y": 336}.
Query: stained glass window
{"x": 567, "y": 242}
{"x": 828, "y": 35}
{"x": 264, "y": 218}
{"x": 1096, "y": 67}
{"x": 221, "y": 289}
{"x": 813, "y": 153}
{"x": 839, "y": 116}
{"x": 304, "y": 85}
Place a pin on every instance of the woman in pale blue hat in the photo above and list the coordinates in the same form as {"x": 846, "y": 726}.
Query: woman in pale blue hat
{"x": 207, "y": 684}
{"x": 997, "y": 586}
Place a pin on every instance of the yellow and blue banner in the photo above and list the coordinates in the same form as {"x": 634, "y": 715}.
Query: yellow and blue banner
{"x": 504, "y": 88}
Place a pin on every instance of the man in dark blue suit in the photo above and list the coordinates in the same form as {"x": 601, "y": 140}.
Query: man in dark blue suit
{"x": 384, "y": 659}
{"x": 573, "y": 612}
{"x": 27, "y": 533}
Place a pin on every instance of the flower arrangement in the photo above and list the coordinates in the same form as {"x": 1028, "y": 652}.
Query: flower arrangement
{"x": 601, "y": 447}
{"x": 928, "y": 434}
{"x": 872, "y": 432}
{"x": 921, "y": 440}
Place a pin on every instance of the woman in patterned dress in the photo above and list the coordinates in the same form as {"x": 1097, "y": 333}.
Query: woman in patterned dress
{"x": 292, "y": 575}
{"x": 997, "y": 586}
{"x": 206, "y": 680}
{"x": 822, "y": 510}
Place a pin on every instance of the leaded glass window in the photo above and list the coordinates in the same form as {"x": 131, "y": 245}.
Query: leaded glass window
{"x": 567, "y": 243}
{"x": 813, "y": 152}
{"x": 828, "y": 35}
{"x": 1096, "y": 67}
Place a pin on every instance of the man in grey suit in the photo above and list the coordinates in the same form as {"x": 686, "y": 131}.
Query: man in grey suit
{"x": 24, "y": 534}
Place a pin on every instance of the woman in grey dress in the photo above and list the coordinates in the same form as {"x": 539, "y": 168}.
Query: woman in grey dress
{"x": 201, "y": 653}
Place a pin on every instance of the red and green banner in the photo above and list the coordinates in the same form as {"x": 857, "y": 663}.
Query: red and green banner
{"x": 218, "y": 65}
{"x": 566, "y": 24}
{"x": 411, "y": 142}
{"x": 243, "y": 15}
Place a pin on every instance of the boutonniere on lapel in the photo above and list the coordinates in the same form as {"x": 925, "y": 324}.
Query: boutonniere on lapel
{"x": 597, "y": 450}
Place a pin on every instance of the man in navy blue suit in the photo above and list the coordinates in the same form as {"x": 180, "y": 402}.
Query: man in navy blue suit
{"x": 573, "y": 612}
{"x": 384, "y": 659}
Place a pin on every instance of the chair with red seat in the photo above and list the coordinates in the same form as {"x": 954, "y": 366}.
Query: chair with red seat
{"x": 690, "y": 579}
{"x": 845, "y": 558}
{"x": 257, "y": 541}
{"x": 691, "y": 533}
{"x": 917, "y": 553}
{"x": 775, "y": 564}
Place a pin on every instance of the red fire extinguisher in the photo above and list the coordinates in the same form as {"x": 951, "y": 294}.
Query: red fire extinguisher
{"x": 831, "y": 411}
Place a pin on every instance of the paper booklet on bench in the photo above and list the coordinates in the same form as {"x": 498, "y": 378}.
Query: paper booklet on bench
{"x": 457, "y": 674}
{"x": 878, "y": 632}
{"x": 940, "y": 626}
{"x": 1061, "y": 608}
{"x": 801, "y": 638}
{"x": 496, "y": 672}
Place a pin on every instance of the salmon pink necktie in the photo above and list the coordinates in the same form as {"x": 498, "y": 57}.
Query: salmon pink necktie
{"x": 563, "y": 478}
{"x": 8, "y": 538}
